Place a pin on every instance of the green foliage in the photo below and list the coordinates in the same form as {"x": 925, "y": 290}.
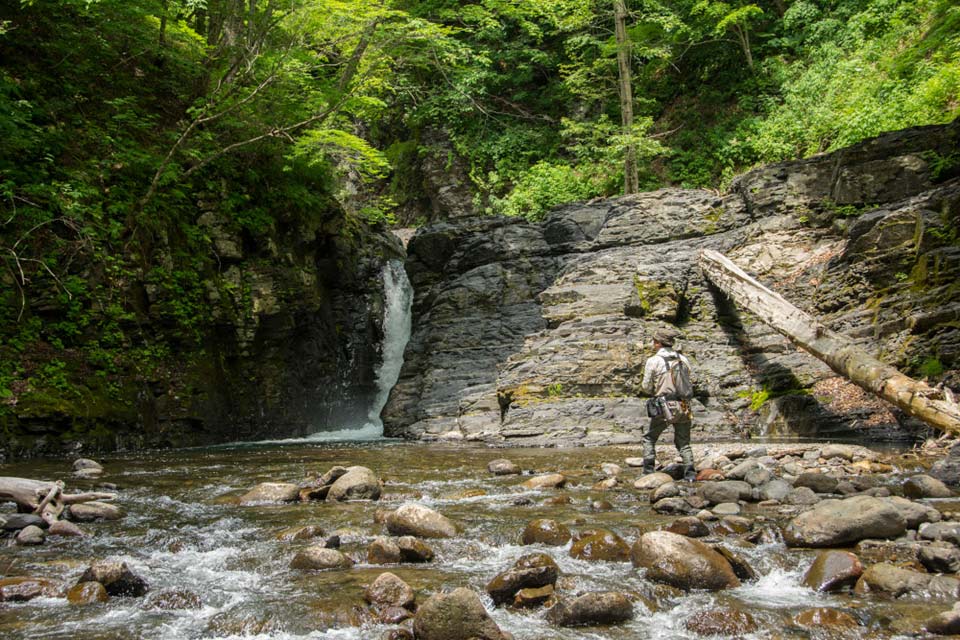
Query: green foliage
{"x": 931, "y": 368}
{"x": 758, "y": 397}
{"x": 543, "y": 187}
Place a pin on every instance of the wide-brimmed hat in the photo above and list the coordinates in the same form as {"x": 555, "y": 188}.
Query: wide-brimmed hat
{"x": 664, "y": 337}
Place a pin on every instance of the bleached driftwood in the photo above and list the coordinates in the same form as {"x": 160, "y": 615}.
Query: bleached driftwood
{"x": 936, "y": 407}
{"x": 45, "y": 499}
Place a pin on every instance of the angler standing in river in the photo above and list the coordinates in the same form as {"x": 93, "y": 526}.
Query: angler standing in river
{"x": 666, "y": 379}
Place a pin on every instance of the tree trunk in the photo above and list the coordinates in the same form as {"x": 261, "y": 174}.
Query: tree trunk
{"x": 915, "y": 398}
{"x": 45, "y": 499}
{"x": 631, "y": 180}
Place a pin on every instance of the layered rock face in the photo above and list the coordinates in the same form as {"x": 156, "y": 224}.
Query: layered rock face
{"x": 537, "y": 333}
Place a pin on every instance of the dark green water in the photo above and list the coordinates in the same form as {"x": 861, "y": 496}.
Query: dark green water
{"x": 184, "y": 531}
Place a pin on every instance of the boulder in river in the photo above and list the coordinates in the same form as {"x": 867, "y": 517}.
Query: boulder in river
{"x": 87, "y": 593}
{"x": 116, "y": 577}
{"x": 457, "y": 615}
{"x": 594, "y": 608}
{"x": 388, "y": 590}
{"x": 940, "y": 557}
{"x": 545, "y": 481}
{"x": 652, "y": 481}
{"x": 915, "y": 513}
{"x": 86, "y": 464}
{"x": 946, "y": 623}
{"x": 503, "y": 467}
{"x": 725, "y": 491}
{"x": 358, "y": 483}
{"x": 413, "y": 549}
{"x": 320, "y": 558}
{"x": 24, "y": 588}
{"x": 924, "y": 486}
{"x": 384, "y": 551}
{"x": 604, "y": 546}
{"x": 18, "y": 521}
{"x": 271, "y": 492}
{"x": 833, "y": 571}
{"x": 528, "y": 572}
{"x": 414, "y": 519}
{"x": 819, "y": 482}
{"x": 897, "y": 582}
{"x": 94, "y": 511}
{"x": 682, "y": 562}
{"x": 833, "y": 523}
{"x": 65, "y": 528}
{"x": 825, "y": 620}
{"x": 946, "y": 531}
{"x": 31, "y": 536}
{"x": 545, "y": 531}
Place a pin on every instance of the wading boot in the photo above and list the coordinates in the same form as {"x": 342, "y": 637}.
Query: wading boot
{"x": 649, "y": 465}
{"x": 689, "y": 473}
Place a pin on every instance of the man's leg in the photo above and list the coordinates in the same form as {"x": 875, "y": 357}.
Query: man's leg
{"x": 681, "y": 438}
{"x": 650, "y": 436}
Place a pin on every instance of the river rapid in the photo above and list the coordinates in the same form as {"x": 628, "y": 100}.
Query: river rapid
{"x": 184, "y": 531}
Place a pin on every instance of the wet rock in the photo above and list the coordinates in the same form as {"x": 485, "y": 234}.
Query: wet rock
{"x": 240, "y": 622}
{"x": 18, "y": 521}
{"x": 673, "y": 506}
{"x": 825, "y": 619}
{"x": 605, "y": 484}
{"x": 896, "y": 582}
{"x": 604, "y": 546}
{"x": 388, "y": 590}
{"x": 946, "y": 623}
{"x": 682, "y": 562}
{"x": 384, "y": 551}
{"x": 65, "y": 528}
{"x": 947, "y": 531}
{"x": 924, "y": 486}
{"x": 86, "y": 464}
{"x": 458, "y": 615}
{"x": 22, "y": 589}
{"x": 759, "y": 476}
{"x": 725, "y": 491}
{"x": 173, "y": 600}
{"x": 414, "y": 550}
{"x": 740, "y": 471}
{"x": 601, "y": 505}
{"x": 320, "y": 558}
{"x": 666, "y": 490}
{"x": 801, "y": 497}
{"x": 692, "y": 527}
{"x": 417, "y": 520}
{"x": 503, "y": 467}
{"x": 652, "y": 481}
{"x": 31, "y": 536}
{"x": 724, "y": 621}
{"x": 913, "y": 512}
{"x": 611, "y": 469}
{"x": 775, "y": 489}
{"x": 741, "y": 568}
{"x": 529, "y": 572}
{"x": 529, "y": 598}
{"x": 358, "y": 483}
{"x": 116, "y": 578}
{"x": 398, "y": 634}
{"x": 843, "y": 451}
{"x": 726, "y": 509}
{"x": 947, "y": 470}
{"x": 833, "y": 571}
{"x": 545, "y": 481}
{"x": 833, "y": 523}
{"x": 295, "y": 534}
{"x": 87, "y": 593}
{"x": 94, "y": 511}
{"x": 271, "y": 492}
{"x": 940, "y": 557}
{"x": 603, "y": 607}
{"x": 545, "y": 531}
{"x": 819, "y": 482}
{"x": 734, "y": 524}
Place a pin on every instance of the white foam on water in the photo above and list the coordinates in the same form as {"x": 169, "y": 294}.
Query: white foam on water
{"x": 778, "y": 589}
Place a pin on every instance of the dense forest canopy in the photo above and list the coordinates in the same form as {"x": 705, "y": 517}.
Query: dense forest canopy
{"x": 122, "y": 122}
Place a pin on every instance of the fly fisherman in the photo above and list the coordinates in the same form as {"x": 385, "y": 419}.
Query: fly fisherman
{"x": 666, "y": 378}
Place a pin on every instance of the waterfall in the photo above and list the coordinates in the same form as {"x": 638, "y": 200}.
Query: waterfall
{"x": 398, "y": 299}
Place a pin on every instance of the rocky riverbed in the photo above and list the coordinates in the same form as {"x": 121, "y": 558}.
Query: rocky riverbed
{"x": 389, "y": 540}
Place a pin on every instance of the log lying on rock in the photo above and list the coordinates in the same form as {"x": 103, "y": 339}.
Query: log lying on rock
{"x": 934, "y": 406}
{"x": 42, "y": 498}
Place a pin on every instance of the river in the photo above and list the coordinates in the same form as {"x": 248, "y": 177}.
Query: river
{"x": 184, "y": 531}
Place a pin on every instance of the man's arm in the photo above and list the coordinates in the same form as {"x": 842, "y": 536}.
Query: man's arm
{"x": 649, "y": 375}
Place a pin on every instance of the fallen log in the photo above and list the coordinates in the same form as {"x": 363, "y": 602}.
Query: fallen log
{"x": 43, "y": 498}
{"x": 916, "y": 398}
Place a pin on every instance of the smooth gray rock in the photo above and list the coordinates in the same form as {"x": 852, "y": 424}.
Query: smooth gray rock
{"x": 833, "y": 523}
{"x": 924, "y": 486}
{"x": 595, "y": 608}
{"x": 725, "y": 491}
{"x": 358, "y": 483}
{"x": 681, "y": 562}
{"x": 423, "y": 522}
{"x": 940, "y": 557}
{"x": 457, "y": 615}
{"x": 775, "y": 489}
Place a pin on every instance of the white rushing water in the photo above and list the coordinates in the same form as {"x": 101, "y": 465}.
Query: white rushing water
{"x": 398, "y": 300}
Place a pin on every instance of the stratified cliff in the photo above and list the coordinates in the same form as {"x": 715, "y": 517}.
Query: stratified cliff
{"x": 536, "y": 333}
